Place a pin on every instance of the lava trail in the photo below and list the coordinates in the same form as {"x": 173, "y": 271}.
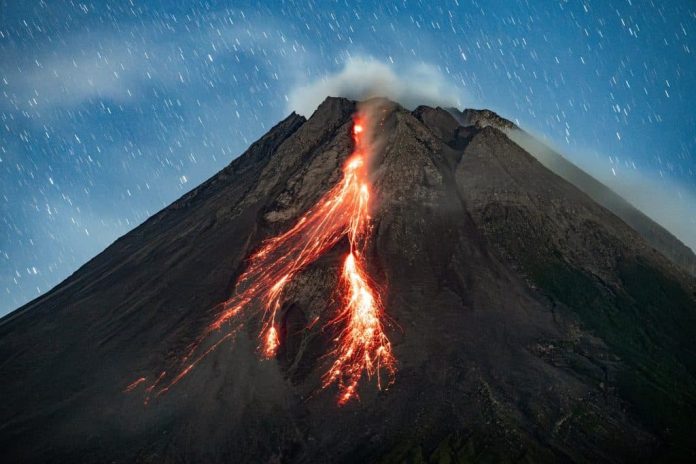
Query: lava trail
{"x": 361, "y": 346}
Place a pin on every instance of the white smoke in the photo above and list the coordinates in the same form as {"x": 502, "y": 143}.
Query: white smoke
{"x": 365, "y": 77}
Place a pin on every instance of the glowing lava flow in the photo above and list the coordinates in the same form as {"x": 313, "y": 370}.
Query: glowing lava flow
{"x": 361, "y": 346}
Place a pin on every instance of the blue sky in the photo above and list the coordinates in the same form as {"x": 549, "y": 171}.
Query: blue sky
{"x": 110, "y": 110}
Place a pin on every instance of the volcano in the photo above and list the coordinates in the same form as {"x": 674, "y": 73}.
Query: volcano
{"x": 525, "y": 318}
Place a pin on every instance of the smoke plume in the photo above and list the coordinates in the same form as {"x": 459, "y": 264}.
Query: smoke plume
{"x": 365, "y": 77}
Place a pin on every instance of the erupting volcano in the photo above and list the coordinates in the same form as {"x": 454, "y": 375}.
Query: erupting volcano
{"x": 361, "y": 346}
{"x": 533, "y": 324}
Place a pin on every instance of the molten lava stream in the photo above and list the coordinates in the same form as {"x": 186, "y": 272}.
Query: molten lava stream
{"x": 361, "y": 346}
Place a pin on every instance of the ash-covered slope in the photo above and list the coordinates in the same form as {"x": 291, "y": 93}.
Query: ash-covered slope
{"x": 529, "y": 323}
{"x": 655, "y": 234}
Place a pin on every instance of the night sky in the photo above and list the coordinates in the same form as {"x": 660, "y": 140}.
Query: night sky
{"x": 110, "y": 110}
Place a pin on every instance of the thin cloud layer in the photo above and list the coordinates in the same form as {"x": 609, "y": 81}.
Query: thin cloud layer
{"x": 667, "y": 202}
{"x": 365, "y": 77}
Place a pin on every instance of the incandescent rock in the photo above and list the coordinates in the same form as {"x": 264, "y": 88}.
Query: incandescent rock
{"x": 529, "y": 322}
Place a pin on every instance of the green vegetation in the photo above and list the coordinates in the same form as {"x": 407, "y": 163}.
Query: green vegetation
{"x": 648, "y": 322}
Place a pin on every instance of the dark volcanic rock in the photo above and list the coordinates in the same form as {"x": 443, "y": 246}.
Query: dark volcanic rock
{"x": 481, "y": 119}
{"x": 655, "y": 234}
{"x": 529, "y": 322}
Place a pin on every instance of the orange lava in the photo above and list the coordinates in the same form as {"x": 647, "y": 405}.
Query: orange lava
{"x": 361, "y": 346}
{"x": 134, "y": 385}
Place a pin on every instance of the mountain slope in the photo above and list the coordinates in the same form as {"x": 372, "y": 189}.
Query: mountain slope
{"x": 529, "y": 323}
{"x": 655, "y": 234}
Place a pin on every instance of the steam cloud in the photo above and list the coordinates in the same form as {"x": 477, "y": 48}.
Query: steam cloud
{"x": 365, "y": 77}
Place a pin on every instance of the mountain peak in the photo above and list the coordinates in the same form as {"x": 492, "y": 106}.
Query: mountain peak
{"x": 521, "y": 314}
{"x": 482, "y": 118}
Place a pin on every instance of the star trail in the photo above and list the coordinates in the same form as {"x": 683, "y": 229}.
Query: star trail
{"x": 110, "y": 110}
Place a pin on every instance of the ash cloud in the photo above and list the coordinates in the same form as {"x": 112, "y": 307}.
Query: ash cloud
{"x": 366, "y": 77}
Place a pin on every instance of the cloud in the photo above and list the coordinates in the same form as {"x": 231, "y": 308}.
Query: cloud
{"x": 365, "y": 77}
{"x": 79, "y": 69}
{"x": 670, "y": 204}
{"x": 119, "y": 66}
{"x": 68, "y": 82}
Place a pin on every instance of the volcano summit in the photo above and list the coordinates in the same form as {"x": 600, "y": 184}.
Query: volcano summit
{"x": 497, "y": 312}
